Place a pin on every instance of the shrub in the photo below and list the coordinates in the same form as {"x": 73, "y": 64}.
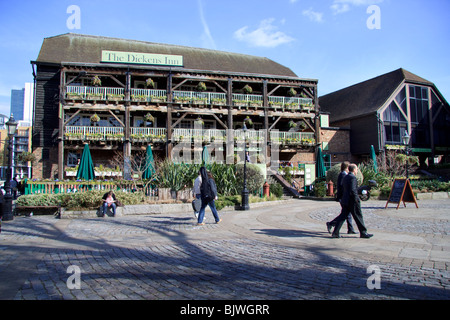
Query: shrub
{"x": 227, "y": 201}
{"x": 78, "y": 200}
{"x": 276, "y": 190}
{"x": 333, "y": 173}
{"x": 255, "y": 179}
{"x": 320, "y": 189}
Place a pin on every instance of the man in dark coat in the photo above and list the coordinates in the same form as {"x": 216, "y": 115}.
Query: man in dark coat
{"x": 339, "y": 193}
{"x": 351, "y": 203}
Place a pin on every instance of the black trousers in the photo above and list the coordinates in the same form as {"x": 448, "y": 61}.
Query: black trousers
{"x": 349, "y": 221}
{"x": 355, "y": 209}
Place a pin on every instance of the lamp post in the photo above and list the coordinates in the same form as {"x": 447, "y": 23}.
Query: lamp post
{"x": 11, "y": 126}
{"x": 244, "y": 203}
{"x": 406, "y": 139}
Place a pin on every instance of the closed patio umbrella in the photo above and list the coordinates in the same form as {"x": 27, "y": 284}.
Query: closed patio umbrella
{"x": 373, "y": 157}
{"x": 205, "y": 156}
{"x": 320, "y": 165}
{"x": 149, "y": 164}
{"x": 86, "y": 167}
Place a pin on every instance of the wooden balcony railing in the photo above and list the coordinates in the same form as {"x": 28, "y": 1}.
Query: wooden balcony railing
{"x": 188, "y": 97}
{"x": 81, "y": 133}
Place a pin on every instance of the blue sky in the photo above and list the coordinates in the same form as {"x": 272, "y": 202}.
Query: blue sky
{"x": 328, "y": 40}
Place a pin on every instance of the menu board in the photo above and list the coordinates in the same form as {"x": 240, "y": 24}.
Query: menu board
{"x": 401, "y": 192}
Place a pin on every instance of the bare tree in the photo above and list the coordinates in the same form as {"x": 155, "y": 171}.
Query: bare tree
{"x": 138, "y": 165}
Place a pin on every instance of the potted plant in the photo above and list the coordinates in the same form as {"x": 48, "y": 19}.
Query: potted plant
{"x": 96, "y": 82}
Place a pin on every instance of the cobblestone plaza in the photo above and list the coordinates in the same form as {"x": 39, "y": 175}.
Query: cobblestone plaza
{"x": 278, "y": 251}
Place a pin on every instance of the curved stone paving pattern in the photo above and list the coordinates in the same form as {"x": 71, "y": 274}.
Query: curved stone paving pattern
{"x": 264, "y": 254}
{"x": 375, "y": 218}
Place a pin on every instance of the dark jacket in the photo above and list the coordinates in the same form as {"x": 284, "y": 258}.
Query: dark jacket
{"x": 106, "y": 196}
{"x": 350, "y": 190}
{"x": 340, "y": 188}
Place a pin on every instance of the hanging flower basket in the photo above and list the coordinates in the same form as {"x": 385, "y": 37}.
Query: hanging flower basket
{"x": 248, "y": 121}
{"x": 149, "y": 118}
{"x": 95, "y": 118}
{"x": 292, "y": 92}
{"x": 247, "y": 89}
{"x": 149, "y": 82}
{"x": 27, "y": 156}
{"x": 201, "y": 86}
{"x": 199, "y": 121}
{"x": 292, "y": 124}
{"x": 96, "y": 81}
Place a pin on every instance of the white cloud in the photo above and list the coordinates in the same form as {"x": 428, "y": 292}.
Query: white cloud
{"x": 313, "y": 15}
{"x": 341, "y": 6}
{"x": 267, "y": 35}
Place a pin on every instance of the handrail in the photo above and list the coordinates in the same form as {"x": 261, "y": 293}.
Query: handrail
{"x": 158, "y": 95}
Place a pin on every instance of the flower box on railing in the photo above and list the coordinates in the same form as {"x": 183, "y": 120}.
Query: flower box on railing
{"x": 114, "y": 137}
{"x": 199, "y": 101}
{"x": 115, "y": 97}
{"x": 94, "y": 96}
{"x": 107, "y": 174}
{"x": 71, "y": 173}
{"x": 158, "y": 99}
{"x": 255, "y": 103}
{"x": 74, "y": 96}
{"x": 73, "y": 136}
{"x": 218, "y": 102}
{"x": 135, "y": 98}
{"x": 240, "y": 103}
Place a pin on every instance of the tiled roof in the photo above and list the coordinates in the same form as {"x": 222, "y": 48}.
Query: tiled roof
{"x": 87, "y": 49}
{"x": 366, "y": 97}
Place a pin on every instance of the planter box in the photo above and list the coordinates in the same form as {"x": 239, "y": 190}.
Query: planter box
{"x": 75, "y": 97}
{"x": 156, "y": 100}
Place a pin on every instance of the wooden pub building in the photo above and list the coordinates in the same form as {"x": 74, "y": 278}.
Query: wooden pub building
{"x": 121, "y": 95}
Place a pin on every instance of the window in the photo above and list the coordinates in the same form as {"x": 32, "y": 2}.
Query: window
{"x": 72, "y": 159}
{"x": 420, "y": 126}
{"x": 394, "y": 124}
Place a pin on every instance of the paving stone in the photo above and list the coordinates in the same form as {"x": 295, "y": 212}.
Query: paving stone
{"x": 262, "y": 254}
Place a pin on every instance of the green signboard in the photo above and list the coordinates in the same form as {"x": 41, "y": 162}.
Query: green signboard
{"x": 142, "y": 58}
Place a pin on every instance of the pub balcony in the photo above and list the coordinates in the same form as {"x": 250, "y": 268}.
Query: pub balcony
{"x": 158, "y": 135}
{"x": 148, "y": 96}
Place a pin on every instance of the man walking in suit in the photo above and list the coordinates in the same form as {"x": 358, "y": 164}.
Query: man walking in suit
{"x": 339, "y": 193}
{"x": 351, "y": 203}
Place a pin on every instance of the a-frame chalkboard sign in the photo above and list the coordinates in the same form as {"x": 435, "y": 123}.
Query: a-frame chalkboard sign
{"x": 401, "y": 191}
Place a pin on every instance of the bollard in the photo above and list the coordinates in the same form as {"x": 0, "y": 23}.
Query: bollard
{"x": 266, "y": 189}
{"x": 330, "y": 188}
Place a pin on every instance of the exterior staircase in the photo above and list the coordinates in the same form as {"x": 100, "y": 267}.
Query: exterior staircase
{"x": 288, "y": 190}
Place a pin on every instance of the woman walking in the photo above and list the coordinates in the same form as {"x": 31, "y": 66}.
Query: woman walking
{"x": 208, "y": 191}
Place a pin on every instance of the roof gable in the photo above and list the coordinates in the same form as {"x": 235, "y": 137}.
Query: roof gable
{"x": 366, "y": 97}
{"x": 87, "y": 49}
